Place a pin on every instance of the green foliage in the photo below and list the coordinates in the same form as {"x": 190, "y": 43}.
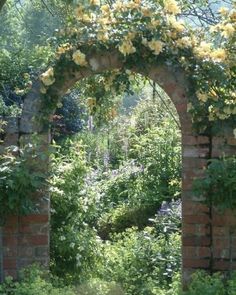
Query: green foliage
{"x": 124, "y": 216}
{"x": 141, "y": 260}
{"x": 11, "y": 111}
{"x": 74, "y": 244}
{"x": 35, "y": 281}
{"x": 105, "y": 182}
{"x": 25, "y": 44}
{"x": 219, "y": 184}
{"x": 203, "y": 283}
{"x": 146, "y": 148}
{"x": 100, "y": 287}
{"x": 20, "y": 180}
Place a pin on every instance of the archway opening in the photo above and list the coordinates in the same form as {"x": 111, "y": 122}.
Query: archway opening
{"x": 134, "y": 166}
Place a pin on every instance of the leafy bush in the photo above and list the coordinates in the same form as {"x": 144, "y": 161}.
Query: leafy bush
{"x": 35, "y": 281}
{"x": 74, "y": 243}
{"x": 140, "y": 260}
{"x": 219, "y": 184}
{"x": 12, "y": 110}
{"x": 20, "y": 180}
{"x": 203, "y": 283}
{"x": 70, "y": 117}
{"x": 124, "y": 216}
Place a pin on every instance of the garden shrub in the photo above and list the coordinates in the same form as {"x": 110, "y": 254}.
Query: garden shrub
{"x": 124, "y": 216}
{"x": 219, "y": 184}
{"x": 99, "y": 287}
{"x": 74, "y": 243}
{"x": 216, "y": 284}
{"x": 140, "y": 260}
{"x": 70, "y": 116}
{"x": 20, "y": 181}
{"x": 35, "y": 281}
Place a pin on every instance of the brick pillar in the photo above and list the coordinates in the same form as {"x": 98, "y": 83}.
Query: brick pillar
{"x": 224, "y": 224}
{"x": 208, "y": 236}
{"x": 25, "y": 239}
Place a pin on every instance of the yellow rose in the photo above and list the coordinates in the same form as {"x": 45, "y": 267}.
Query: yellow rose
{"x": 86, "y": 18}
{"x": 154, "y": 24}
{"x": 118, "y": 5}
{"x": 146, "y": 11}
{"x": 79, "y": 58}
{"x": 223, "y": 11}
{"x": 95, "y": 2}
{"x": 228, "y": 30}
{"x": 130, "y": 36}
{"x": 127, "y": 47}
{"x": 202, "y": 96}
{"x": 227, "y": 110}
{"x": 203, "y": 50}
{"x": 43, "y": 90}
{"x": 184, "y": 42}
{"x": 102, "y": 36}
{"x": 233, "y": 16}
{"x": 176, "y": 25}
{"x": 156, "y": 46}
{"x": 171, "y": 6}
{"x": 48, "y": 77}
{"x": 79, "y": 12}
{"x": 104, "y": 21}
{"x": 144, "y": 41}
{"x": 219, "y": 55}
{"x": 63, "y": 48}
{"x": 105, "y": 9}
{"x": 91, "y": 102}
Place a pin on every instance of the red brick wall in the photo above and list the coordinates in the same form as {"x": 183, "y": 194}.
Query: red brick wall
{"x": 25, "y": 240}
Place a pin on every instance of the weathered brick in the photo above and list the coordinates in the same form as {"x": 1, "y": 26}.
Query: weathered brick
{"x": 197, "y": 219}
{"x": 220, "y": 231}
{"x": 34, "y": 218}
{"x": 10, "y": 251}
{"x": 9, "y": 241}
{"x": 195, "y": 152}
{"x": 26, "y": 251}
{"x": 9, "y": 263}
{"x": 195, "y": 140}
{"x": 195, "y": 241}
{"x": 196, "y": 263}
{"x": 33, "y": 240}
{"x": 203, "y": 252}
{"x": 189, "y": 252}
{"x": 231, "y": 141}
{"x": 194, "y": 208}
{"x": 10, "y": 272}
{"x": 220, "y": 253}
{"x": 42, "y": 251}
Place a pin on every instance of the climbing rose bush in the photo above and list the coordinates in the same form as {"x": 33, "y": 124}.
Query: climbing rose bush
{"x": 149, "y": 32}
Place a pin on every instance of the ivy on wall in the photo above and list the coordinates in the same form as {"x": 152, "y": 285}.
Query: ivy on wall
{"x": 219, "y": 184}
{"x": 20, "y": 180}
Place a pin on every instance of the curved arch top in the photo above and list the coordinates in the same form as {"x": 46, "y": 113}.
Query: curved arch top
{"x": 172, "y": 80}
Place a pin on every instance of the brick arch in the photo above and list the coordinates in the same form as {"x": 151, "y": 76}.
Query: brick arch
{"x": 206, "y": 235}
